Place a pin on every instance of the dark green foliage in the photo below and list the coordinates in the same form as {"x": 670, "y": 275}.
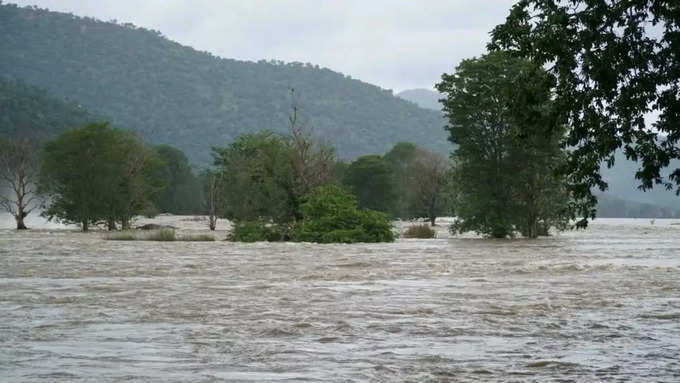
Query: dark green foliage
{"x": 182, "y": 191}
{"x": 612, "y": 63}
{"x": 419, "y": 231}
{"x": 420, "y": 177}
{"x": 331, "y": 216}
{"x": 258, "y": 231}
{"x": 26, "y": 109}
{"x": 176, "y": 95}
{"x": 372, "y": 180}
{"x": 258, "y": 179}
{"x": 504, "y": 178}
{"x": 97, "y": 174}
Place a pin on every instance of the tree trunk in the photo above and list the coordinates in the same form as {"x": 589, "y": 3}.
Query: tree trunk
{"x": 20, "y": 222}
{"x": 85, "y": 226}
{"x": 432, "y": 219}
{"x": 111, "y": 224}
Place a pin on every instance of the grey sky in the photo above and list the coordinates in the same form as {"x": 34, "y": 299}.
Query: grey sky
{"x": 396, "y": 44}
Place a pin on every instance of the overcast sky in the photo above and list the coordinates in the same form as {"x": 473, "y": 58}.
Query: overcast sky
{"x": 396, "y": 44}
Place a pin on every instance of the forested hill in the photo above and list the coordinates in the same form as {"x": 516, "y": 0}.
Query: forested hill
{"x": 425, "y": 98}
{"x": 24, "y": 107}
{"x": 174, "y": 94}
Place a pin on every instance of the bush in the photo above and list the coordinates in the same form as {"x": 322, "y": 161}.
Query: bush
{"x": 331, "y": 216}
{"x": 256, "y": 231}
{"x": 419, "y": 231}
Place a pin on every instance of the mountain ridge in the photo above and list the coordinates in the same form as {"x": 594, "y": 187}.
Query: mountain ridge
{"x": 174, "y": 94}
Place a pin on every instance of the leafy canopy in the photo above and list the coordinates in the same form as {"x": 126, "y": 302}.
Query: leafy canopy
{"x": 613, "y": 63}
{"x": 504, "y": 179}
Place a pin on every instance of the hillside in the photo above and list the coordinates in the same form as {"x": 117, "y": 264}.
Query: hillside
{"x": 174, "y": 94}
{"x": 425, "y": 98}
{"x": 24, "y": 107}
{"x": 609, "y": 206}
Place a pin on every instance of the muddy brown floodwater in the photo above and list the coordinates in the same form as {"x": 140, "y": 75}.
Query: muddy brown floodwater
{"x": 599, "y": 305}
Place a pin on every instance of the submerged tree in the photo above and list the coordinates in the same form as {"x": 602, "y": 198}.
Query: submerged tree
{"x": 97, "y": 174}
{"x": 426, "y": 180}
{"x": 372, "y": 180}
{"x": 504, "y": 179}
{"x": 181, "y": 193}
{"x": 19, "y": 171}
{"x": 613, "y": 63}
{"x": 313, "y": 160}
{"x": 259, "y": 179}
{"x": 212, "y": 182}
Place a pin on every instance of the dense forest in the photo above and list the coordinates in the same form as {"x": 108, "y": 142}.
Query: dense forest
{"x": 172, "y": 94}
{"x": 24, "y": 107}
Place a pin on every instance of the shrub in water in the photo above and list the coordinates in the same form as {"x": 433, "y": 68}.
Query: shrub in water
{"x": 254, "y": 231}
{"x": 419, "y": 231}
{"x": 331, "y": 215}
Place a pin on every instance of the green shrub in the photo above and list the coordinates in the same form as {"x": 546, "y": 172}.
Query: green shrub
{"x": 331, "y": 216}
{"x": 419, "y": 231}
{"x": 254, "y": 231}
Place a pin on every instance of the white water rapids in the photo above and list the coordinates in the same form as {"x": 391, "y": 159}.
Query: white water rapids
{"x": 595, "y": 305}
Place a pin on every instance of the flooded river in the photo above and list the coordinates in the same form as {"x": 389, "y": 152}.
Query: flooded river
{"x": 599, "y": 305}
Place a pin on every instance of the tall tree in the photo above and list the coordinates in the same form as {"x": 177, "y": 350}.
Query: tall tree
{"x": 181, "y": 193}
{"x": 259, "y": 179}
{"x": 426, "y": 174}
{"x": 614, "y": 63}
{"x": 19, "y": 170}
{"x": 487, "y": 100}
{"x": 312, "y": 159}
{"x": 371, "y": 178}
{"x": 96, "y": 174}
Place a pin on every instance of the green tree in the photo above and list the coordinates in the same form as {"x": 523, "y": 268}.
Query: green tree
{"x": 424, "y": 192}
{"x": 372, "y": 180}
{"x": 97, "y": 174}
{"x": 400, "y": 157}
{"x": 259, "y": 179}
{"x": 613, "y": 62}
{"x": 504, "y": 180}
{"x": 182, "y": 191}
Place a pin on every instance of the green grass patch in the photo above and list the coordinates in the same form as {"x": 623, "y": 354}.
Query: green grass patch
{"x": 163, "y": 235}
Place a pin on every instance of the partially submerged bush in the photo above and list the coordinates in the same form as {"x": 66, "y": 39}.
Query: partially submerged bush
{"x": 419, "y": 231}
{"x": 256, "y": 231}
{"x": 331, "y": 215}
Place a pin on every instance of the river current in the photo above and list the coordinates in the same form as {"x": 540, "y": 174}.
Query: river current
{"x": 595, "y": 305}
